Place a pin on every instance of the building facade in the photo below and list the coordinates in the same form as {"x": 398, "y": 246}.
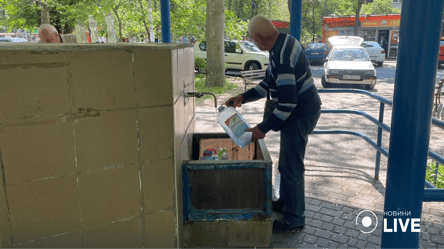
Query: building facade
{"x": 383, "y": 29}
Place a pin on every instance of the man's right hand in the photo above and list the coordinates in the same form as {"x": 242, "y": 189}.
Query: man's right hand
{"x": 235, "y": 101}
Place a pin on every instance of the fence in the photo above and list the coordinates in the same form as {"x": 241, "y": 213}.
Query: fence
{"x": 431, "y": 193}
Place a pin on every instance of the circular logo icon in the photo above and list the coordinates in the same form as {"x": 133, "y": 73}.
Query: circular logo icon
{"x": 384, "y": 22}
{"x": 366, "y": 221}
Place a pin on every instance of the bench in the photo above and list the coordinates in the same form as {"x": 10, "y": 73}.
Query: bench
{"x": 249, "y": 75}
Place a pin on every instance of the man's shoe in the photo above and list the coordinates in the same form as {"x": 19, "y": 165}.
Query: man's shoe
{"x": 278, "y": 206}
{"x": 281, "y": 225}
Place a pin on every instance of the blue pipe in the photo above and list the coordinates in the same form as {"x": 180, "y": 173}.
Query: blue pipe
{"x": 165, "y": 20}
{"x": 295, "y": 18}
{"x": 354, "y": 133}
{"x": 379, "y": 141}
{"x": 370, "y": 94}
{"x": 434, "y": 194}
{"x": 362, "y": 113}
{"x": 411, "y": 116}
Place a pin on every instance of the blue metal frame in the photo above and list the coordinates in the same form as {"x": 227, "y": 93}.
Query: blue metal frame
{"x": 190, "y": 213}
{"x": 412, "y": 110}
{"x": 165, "y": 20}
{"x": 295, "y": 18}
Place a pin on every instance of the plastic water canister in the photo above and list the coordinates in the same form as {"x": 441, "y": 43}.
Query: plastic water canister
{"x": 234, "y": 125}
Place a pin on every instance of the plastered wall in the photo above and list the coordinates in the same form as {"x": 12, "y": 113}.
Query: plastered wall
{"x": 91, "y": 139}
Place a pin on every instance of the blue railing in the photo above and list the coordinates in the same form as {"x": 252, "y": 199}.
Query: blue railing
{"x": 431, "y": 193}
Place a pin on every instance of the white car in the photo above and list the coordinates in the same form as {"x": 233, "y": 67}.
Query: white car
{"x": 376, "y": 53}
{"x": 349, "y": 65}
{"x": 17, "y": 39}
{"x": 239, "y": 55}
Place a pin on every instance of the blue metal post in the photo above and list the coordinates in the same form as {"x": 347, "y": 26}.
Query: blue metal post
{"x": 165, "y": 19}
{"x": 379, "y": 142}
{"x": 436, "y": 173}
{"x": 411, "y": 117}
{"x": 295, "y": 18}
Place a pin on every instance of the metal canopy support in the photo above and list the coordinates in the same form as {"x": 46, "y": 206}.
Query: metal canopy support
{"x": 411, "y": 117}
{"x": 165, "y": 19}
{"x": 295, "y": 18}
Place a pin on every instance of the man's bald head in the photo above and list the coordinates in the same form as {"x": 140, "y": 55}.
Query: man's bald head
{"x": 263, "y": 32}
{"x": 48, "y": 33}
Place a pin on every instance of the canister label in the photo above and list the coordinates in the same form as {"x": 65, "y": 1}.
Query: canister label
{"x": 236, "y": 125}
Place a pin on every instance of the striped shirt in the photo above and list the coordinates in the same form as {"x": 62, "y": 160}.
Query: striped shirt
{"x": 289, "y": 81}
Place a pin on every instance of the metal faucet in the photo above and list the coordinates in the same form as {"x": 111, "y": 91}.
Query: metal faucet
{"x": 200, "y": 94}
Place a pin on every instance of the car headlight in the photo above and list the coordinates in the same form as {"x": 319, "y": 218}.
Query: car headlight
{"x": 369, "y": 72}
{"x": 334, "y": 71}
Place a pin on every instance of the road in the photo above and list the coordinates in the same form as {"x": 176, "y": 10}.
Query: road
{"x": 386, "y": 72}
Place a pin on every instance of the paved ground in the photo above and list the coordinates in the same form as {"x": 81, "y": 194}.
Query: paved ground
{"x": 340, "y": 174}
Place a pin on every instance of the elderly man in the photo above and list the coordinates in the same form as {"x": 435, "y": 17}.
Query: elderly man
{"x": 294, "y": 110}
{"x": 49, "y": 34}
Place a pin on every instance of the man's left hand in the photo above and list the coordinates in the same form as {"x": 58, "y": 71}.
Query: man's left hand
{"x": 257, "y": 134}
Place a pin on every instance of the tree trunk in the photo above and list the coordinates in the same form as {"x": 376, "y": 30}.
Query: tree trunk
{"x": 253, "y": 8}
{"x": 120, "y": 25}
{"x": 150, "y": 13}
{"x": 44, "y": 19}
{"x": 270, "y": 5}
{"x": 240, "y": 9}
{"x": 314, "y": 24}
{"x": 358, "y": 10}
{"x": 144, "y": 21}
{"x": 215, "y": 44}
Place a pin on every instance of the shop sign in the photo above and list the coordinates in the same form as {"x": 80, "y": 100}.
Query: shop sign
{"x": 341, "y": 23}
{"x": 381, "y": 23}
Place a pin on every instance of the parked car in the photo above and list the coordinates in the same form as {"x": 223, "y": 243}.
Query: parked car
{"x": 349, "y": 65}
{"x": 316, "y": 52}
{"x": 441, "y": 52}
{"x": 239, "y": 55}
{"x": 5, "y": 39}
{"x": 375, "y": 51}
{"x": 18, "y": 39}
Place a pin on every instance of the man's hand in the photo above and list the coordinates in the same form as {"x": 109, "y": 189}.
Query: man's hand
{"x": 235, "y": 101}
{"x": 257, "y": 134}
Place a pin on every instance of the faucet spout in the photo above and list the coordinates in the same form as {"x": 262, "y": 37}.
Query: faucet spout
{"x": 200, "y": 94}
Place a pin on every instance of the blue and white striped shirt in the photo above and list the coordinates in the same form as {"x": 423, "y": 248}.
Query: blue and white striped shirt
{"x": 289, "y": 81}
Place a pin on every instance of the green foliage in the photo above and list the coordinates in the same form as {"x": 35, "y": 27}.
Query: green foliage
{"x": 379, "y": 7}
{"x": 430, "y": 175}
{"x": 200, "y": 64}
{"x": 199, "y": 85}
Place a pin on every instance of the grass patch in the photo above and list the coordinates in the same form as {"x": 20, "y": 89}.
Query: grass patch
{"x": 199, "y": 86}
{"x": 430, "y": 175}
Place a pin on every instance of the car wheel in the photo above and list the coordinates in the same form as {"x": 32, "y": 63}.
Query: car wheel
{"x": 380, "y": 64}
{"x": 324, "y": 83}
{"x": 252, "y": 66}
{"x": 370, "y": 87}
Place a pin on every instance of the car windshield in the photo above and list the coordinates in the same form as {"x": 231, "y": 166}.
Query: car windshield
{"x": 349, "y": 54}
{"x": 316, "y": 46}
{"x": 250, "y": 47}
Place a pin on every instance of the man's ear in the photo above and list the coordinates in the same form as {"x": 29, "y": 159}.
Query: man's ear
{"x": 259, "y": 37}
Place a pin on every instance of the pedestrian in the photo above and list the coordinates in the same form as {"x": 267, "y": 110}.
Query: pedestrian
{"x": 294, "y": 110}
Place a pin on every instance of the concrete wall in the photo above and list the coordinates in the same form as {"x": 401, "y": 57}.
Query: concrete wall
{"x": 92, "y": 138}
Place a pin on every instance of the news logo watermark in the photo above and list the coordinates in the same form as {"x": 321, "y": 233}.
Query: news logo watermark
{"x": 398, "y": 221}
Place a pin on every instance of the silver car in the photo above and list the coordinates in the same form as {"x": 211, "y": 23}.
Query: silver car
{"x": 375, "y": 51}
{"x": 349, "y": 65}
